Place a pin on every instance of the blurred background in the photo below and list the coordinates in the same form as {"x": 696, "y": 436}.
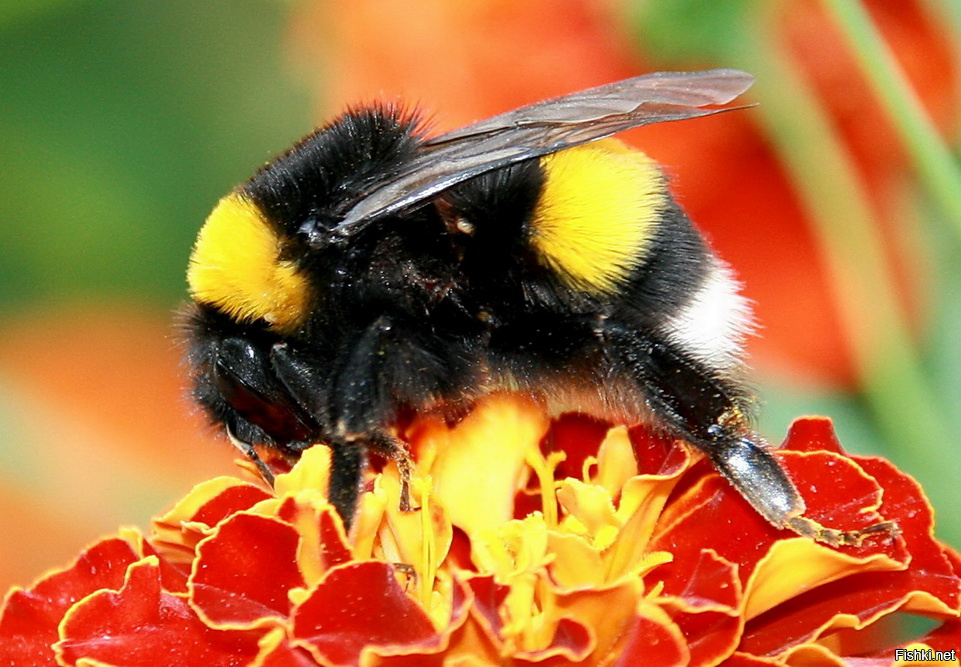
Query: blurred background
{"x": 837, "y": 199}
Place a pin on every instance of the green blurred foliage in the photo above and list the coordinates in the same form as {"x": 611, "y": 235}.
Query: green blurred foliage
{"x": 695, "y": 31}
{"x": 121, "y": 123}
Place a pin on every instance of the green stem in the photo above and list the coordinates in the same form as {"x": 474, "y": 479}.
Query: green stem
{"x": 939, "y": 171}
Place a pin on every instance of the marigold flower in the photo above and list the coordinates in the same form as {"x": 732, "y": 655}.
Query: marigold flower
{"x": 564, "y": 541}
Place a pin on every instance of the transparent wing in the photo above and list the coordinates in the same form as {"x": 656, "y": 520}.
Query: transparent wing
{"x": 547, "y": 127}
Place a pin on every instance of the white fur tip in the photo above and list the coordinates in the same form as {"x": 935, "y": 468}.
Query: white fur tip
{"x": 713, "y": 324}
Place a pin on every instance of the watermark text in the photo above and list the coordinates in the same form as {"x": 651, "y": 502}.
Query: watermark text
{"x": 924, "y": 654}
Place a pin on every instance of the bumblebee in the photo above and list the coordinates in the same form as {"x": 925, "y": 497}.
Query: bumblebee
{"x": 373, "y": 271}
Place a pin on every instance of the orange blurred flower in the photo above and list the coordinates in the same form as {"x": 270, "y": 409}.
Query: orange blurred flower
{"x": 535, "y": 541}
{"x": 101, "y": 434}
{"x": 469, "y": 60}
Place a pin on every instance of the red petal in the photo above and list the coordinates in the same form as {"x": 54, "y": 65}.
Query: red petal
{"x": 740, "y": 659}
{"x": 934, "y": 567}
{"x": 611, "y": 613}
{"x": 653, "y": 641}
{"x": 712, "y": 514}
{"x": 578, "y": 436}
{"x": 930, "y": 584}
{"x": 176, "y": 534}
{"x": 836, "y": 490}
{"x": 245, "y": 570}
{"x": 333, "y": 545}
{"x": 701, "y": 580}
{"x": 703, "y": 596}
{"x": 812, "y": 434}
{"x": 173, "y": 576}
{"x": 141, "y": 624}
{"x": 656, "y": 453}
{"x": 572, "y": 643}
{"x": 228, "y": 502}
{"x": 28, "y": 625}
{"x": 450, "y": 649}
{"x": 488, "y": 597}
{"x": 840, "y": 494}
{"x": 361, "y": 606}
{"x": 321, "y": 531}
{"x": 277, "y": 651}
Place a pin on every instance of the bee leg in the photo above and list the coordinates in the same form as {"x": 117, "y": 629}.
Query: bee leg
{"x": 388, "y": 365}
{"x": 761, "y": 480}
{"x": 404, "y": 466}
{"x": 248, "y": 450}
{"x": 348, "y": 455}
{"x": 712, "y": 413}
{"x": 408, "y": 571}
{"x": 751, "y": 468}
{"x": 346, "y": 468}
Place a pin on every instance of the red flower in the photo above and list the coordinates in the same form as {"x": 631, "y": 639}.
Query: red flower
{"x": 535, "y": 541}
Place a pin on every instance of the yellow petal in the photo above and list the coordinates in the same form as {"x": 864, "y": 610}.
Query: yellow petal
{"x": 642, "y": 500}
{"x": 312, "y": 471}
{"x": 576, "y": 563}
{"x": 795, "y": 565}
{"x": 480, "y": 463}
{"x": 371, "y": 509}
{"x": 615, "y": 461}
{"x": 418, "y": 539}
{"x": 514, "y": 547}
{"x": 592, "y": 508}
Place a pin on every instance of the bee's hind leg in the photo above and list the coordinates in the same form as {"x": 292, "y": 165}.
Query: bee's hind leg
{"x": 700, "y": 407}
{"x": 756, "y": 474}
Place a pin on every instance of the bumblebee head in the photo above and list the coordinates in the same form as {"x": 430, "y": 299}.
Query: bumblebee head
{"x": 249, "y": 260}
{"x": 269, "y": 268}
